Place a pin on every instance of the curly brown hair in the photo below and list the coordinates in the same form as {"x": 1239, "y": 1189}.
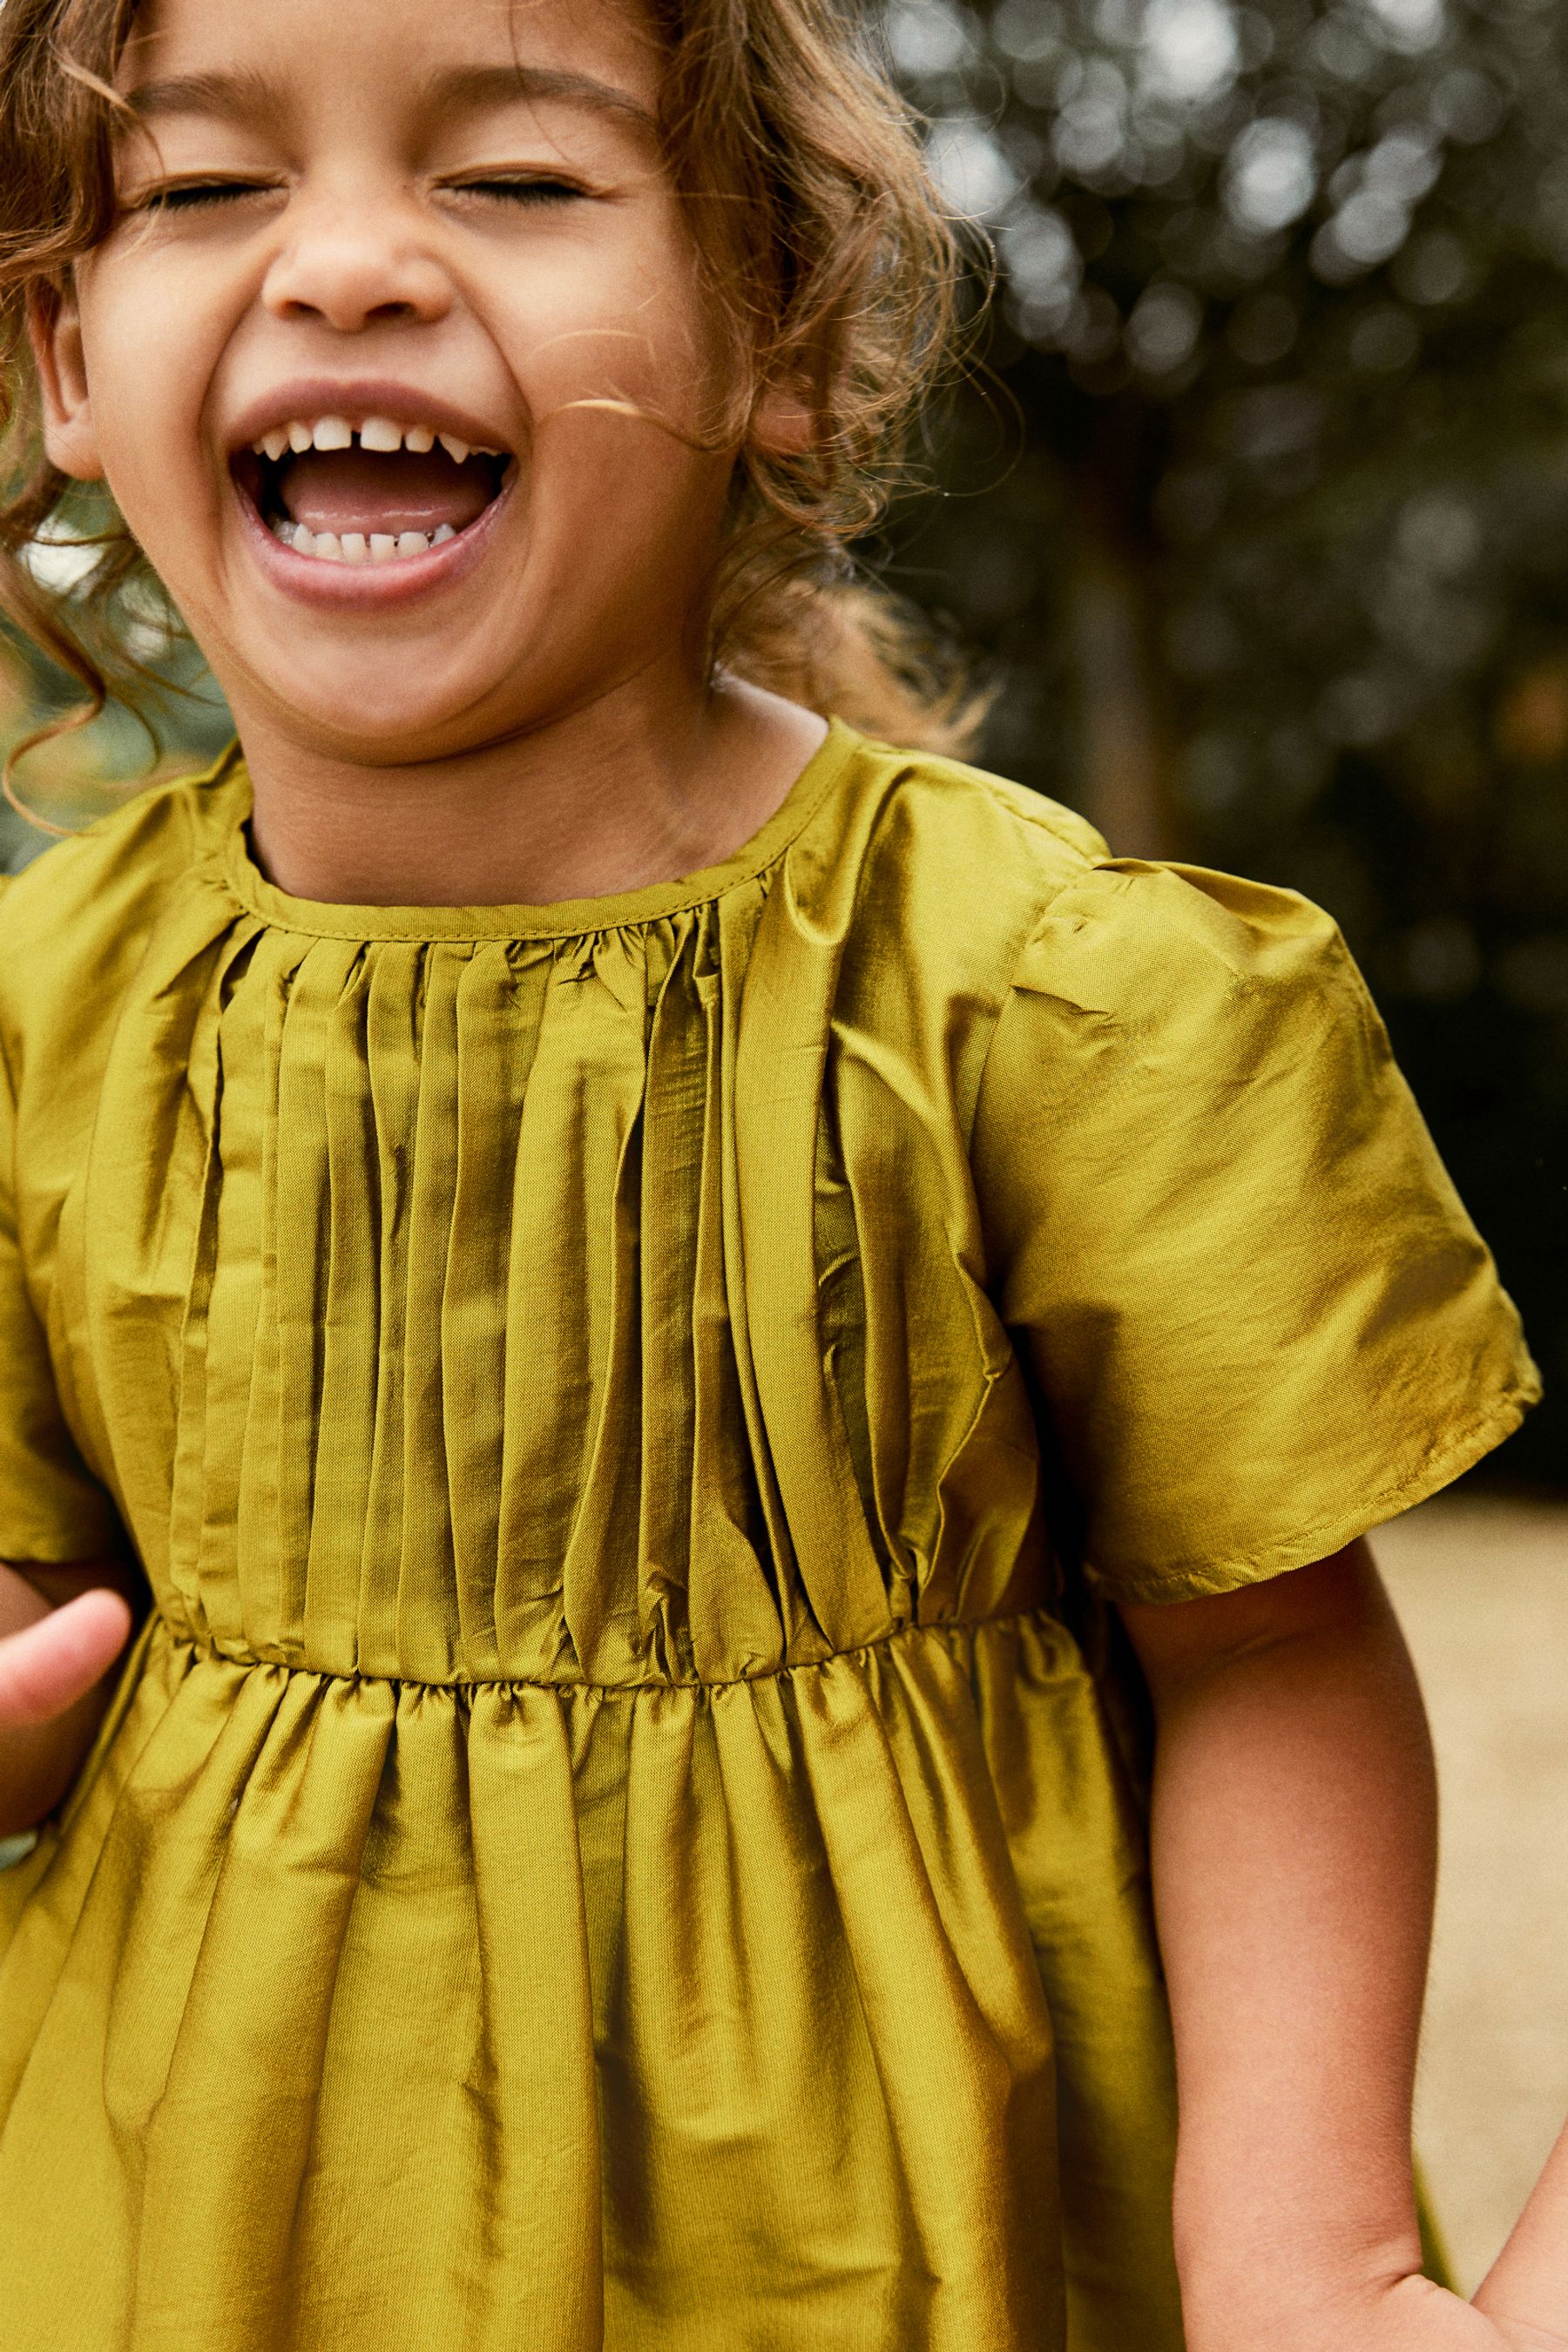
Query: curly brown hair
{"x": 826, "y": 248}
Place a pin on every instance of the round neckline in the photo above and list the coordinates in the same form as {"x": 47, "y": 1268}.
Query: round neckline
{"x": 562, "y": 919}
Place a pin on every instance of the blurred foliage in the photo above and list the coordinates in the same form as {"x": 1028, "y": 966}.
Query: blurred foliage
{"x": 1261, "y": 512}
{"x": 172, "y": 718}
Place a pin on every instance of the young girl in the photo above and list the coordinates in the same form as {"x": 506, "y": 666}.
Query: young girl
{"x": 664, "y": 1296}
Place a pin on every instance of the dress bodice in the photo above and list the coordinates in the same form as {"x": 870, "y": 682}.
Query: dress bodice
{"x": 546, "y": 1294}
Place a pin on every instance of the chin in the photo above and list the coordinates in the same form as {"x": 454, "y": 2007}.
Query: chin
{"x": 375, "y": 718}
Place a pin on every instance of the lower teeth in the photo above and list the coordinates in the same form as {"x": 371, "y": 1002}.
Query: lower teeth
{"x": 356, "y": 547}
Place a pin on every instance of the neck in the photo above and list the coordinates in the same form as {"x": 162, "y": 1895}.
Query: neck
{"x": 649, "y": 782}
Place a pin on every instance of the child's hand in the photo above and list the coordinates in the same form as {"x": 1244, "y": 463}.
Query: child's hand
{"x": 1410, "y": 2316}
{"x": 60, "y": 1632}
{"x": 52, "y": 1664}
{"x": 1530, "y": 2274}
{"x": 1427, "y": 2318}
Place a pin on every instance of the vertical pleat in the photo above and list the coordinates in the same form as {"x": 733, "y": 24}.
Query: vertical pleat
{"x": 910, "y": 1357}
{"x": 737, "y": 917}
{"x": 427, "y": 1640}
{"x": 570, "y": 1412}
{"x": 351, "y": 1340}
{"x": 501, "y": 999}
{"x": 733, "y": 1600}
{"x": 783, "y": 1062}
{"x": 303, "y": 1270}
{"x": 944, "y": 1441}
{"x": 234, "y": 1278}
{"x": 550, "y": 1339}
{"x": 393, "y": 1013}
{"x": 668, "y": 1215}
{"x": 841, "y": 1312}
{"x": 600, "y": 1600}
{"x": 268, "y": 1588}
{"x": 188, "y": 1170}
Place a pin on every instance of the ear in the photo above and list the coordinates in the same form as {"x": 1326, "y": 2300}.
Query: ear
{"x": 54, "y": 331}
{"x": 783, "y": 419}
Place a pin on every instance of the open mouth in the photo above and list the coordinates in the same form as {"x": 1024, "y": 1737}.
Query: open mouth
{"x": 369, "y": 492}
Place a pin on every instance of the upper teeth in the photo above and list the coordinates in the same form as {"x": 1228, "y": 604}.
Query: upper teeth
{"x": 380, "y": 433}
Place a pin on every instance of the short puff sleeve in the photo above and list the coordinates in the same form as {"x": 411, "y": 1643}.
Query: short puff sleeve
{"x": 1256, "y": 1313}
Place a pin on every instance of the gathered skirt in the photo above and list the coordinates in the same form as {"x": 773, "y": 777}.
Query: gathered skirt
{"x": 792, "y": 2011}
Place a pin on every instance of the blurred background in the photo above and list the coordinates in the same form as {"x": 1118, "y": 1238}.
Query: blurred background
{"x": 1263, "y": 514}
{"x": 1257, "y": 508}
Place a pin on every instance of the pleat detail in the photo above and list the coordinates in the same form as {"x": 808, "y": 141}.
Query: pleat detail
{"x": 469, "y": 1212}
{"x": 471, "y": 1306}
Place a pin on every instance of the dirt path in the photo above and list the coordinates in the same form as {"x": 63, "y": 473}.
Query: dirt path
{"x": 1482, "y": 1590}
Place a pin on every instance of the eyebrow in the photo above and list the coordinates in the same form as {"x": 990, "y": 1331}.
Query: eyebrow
{"x": 244, "y": 94}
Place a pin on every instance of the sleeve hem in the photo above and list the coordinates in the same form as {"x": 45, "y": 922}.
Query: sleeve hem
{"x": 1192, "y": 1580}
{"x": 27, "y": 1544}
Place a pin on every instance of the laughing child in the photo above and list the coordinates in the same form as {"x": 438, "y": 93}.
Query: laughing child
{"x": 686, "y": 1315}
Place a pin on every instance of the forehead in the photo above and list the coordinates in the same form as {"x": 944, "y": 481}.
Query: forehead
{"x": 435, "y": 55}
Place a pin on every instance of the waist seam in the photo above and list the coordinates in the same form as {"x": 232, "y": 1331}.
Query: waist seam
{"x": 202, "y": 1646}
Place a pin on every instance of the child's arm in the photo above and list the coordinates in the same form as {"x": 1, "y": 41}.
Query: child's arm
{"x": 1294, "y": 1852}
{"x": 1528, "y": 2284}
{"x": 61, "y": 1630}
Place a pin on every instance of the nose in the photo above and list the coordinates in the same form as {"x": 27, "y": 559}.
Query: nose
{"x": 354, "y": 265}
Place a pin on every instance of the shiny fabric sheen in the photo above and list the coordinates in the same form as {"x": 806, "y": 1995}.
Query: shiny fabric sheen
{"x": 624, "y": 1828}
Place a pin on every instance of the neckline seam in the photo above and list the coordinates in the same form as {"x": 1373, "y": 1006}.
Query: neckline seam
{"x": 250, "y": 890}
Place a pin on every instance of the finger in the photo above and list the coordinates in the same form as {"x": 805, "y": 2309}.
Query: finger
{"x": 47, "y": 1667}
{"x": 1527, "y": 2286}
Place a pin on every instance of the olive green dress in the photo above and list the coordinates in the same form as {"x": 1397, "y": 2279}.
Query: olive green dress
{"x": 624, "y": 1827}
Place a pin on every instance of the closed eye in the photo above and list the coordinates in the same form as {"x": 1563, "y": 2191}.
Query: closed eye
{"x": 193, "y": 195}
{"x": 196, "y": 196}
{"x": 518, "y": 188}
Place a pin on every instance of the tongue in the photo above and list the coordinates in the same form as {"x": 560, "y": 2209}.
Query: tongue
{"x": 358, "y": 489}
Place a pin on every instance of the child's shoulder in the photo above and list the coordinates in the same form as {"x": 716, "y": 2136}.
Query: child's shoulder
{"x": 941, "y": 809}
{"x": 160, "y": 829}
{"x": 945, "y": 864}
{"x": 1018, "y": 871}
{"x": 82, "y": 911}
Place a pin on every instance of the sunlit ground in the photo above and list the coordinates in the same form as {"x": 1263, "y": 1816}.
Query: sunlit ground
{"x": 1482, "y": 1588}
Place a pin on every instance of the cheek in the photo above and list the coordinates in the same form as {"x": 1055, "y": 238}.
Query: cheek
{"x": 623, "y": 326}
{"x": 147, "y": 356}
{"x": 621, "y": 373}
